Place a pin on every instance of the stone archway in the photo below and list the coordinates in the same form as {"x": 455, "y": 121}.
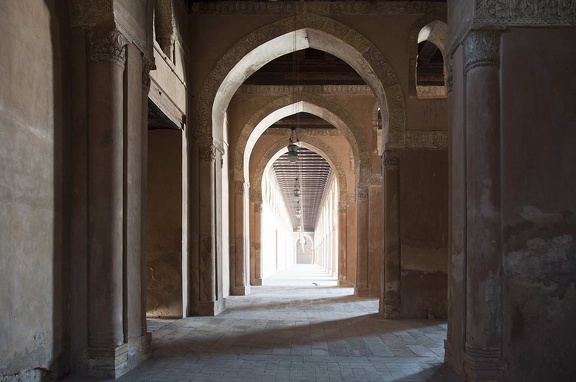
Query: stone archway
{"x": 287, "y": 35}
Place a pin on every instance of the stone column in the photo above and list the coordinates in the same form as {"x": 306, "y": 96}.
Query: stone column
{"x": 239, "y": 283}
{"x": 390, "y": 304}
{"x": 107, "y": 352}
{"x": 147, "y": 65}
{"x": 454, "y": 344}
{"x": 362, "y": 211}
{"x": 342, "y": 246}
{"x": 483, "y": 348}
{"x": 134, "y": 188}
{"x": 209, "y": 304}
{"x": 256, "y": 229}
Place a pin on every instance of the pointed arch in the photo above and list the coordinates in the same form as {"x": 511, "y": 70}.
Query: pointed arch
{"x": 282, "y": 37}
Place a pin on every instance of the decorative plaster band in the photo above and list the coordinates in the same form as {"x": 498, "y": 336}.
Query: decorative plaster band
{"x": 319, "y": 7}
{"x": 525, "y": 13}
{"x": 427, "y": 140}
{"x": 312, "y": 89}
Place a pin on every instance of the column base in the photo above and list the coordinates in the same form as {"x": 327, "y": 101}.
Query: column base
{"x": 392, "y": 310}
{"x": 365, "y": 292}
{"x": 115, "y": 362}
{"x": 240, "y": 290}
{"x": 106, "y": 362}
{"x": 256, "y": 282}
{"x": 345, "y": 284}
{"x": 211, "y": 308}
{"x": 483, "y": 364}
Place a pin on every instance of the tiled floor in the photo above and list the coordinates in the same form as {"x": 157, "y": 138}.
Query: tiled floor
{"x": 301, "y": 332}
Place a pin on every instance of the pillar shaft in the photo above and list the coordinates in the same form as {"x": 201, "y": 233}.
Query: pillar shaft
{"x": 391, "y": 179}
{"x": 105, "y": 183}
{"x": 147, "y": 65}
{"x": 134, "y": 188}
{"x": 342, "y": 247}
{"x": 207, "y": 231}
{"x": 362, "y": 211}
{"x": 255, "y": 262}
{"x": 483, "y": 220}
{"x": 239, "y": 282}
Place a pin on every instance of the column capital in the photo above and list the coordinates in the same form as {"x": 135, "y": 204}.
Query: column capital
{"x": 482, "y": 48}
{"x": 391, "y": 158}
{"x": 362, "y": 192}
{"x": 147, "y": 65}
{"x": 107, "y": 46}
{"x": 208, "y": 153}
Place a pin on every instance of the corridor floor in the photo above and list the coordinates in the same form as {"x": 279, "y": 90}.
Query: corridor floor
{"x": 293, "y": 330}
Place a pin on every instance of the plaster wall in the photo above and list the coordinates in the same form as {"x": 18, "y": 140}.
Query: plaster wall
{"x": 164, "y": 226}
{"x": 539, "y": 203}
{"x": 31, "y": 120}
{"x": 424, "y": 233}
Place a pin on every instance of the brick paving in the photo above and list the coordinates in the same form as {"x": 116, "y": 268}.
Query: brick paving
{"x": 293, "y": 330}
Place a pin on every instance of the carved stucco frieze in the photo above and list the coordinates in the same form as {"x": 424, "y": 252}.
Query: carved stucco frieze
{"x": 312, "y": 89}
{"x": 84, "y": 13}
{"x": 427, "y": 140}
{"x": 107, "y": 46}
{"x": 482, "y": 48}
{"x": 342, "y": 208}
{"x": 391, "y": 158}
{"x": 322, "y": 8}
{"x": 526, "y": 12}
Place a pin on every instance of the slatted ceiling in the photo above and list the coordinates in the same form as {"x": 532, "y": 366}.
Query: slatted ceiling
{"x": 313, "y": 173}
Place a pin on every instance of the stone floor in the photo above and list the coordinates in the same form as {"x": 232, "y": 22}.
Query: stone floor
{"x": 293, "y": 330}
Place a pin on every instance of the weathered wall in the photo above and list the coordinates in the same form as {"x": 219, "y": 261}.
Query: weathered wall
{"x": 30, "y": 189}
{"x": 424, "y": 233}
{"x": 164, "y": 228}
{"x": 539, "y": 203}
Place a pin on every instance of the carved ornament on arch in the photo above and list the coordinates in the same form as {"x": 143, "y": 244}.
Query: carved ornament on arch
{"x": 482, "y": 48}
{"x": 375, "y": 62}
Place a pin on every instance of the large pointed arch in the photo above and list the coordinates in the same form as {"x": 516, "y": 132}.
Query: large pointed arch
{"x": 287, "y": 35}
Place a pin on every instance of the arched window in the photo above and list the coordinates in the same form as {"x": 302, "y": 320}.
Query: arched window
{"x": 430, "y": 71}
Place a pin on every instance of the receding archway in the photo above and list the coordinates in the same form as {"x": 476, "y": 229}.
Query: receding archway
{"x": 265, "y": 161}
